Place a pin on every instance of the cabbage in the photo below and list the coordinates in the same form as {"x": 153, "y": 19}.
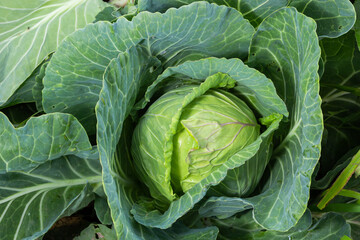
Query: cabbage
{"x": 179, "y": 119}
{"x": 210, "y": 129}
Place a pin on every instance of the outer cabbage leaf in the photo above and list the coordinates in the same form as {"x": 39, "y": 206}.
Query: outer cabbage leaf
{"x": 122, "y": 81}
{"x": 253, "y": 10}
{"x": 43, "y": 138}
{"x": 333, "y": 17}
{"x": 329, "y": 226}
{"x": 285, "y": 48}
{"x": 31, "y": 202}
{"x": 74, "y": 75}
{"x": 223, "y": 207}
{"x": 31, "y": 30}
{"x": 116, "y": 99}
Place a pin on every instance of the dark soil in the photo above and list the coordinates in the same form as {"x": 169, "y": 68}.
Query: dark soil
{"x": 67, "y": 228}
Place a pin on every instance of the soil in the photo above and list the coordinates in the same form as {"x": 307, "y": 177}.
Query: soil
{"x": 67, "y": 228}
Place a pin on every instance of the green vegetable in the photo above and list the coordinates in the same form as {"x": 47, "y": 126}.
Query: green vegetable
{"x": 180, "y": 119}
{"x": 210, "y": 129}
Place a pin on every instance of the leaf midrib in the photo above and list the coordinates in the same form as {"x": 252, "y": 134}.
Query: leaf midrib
{"x": 54, "y": 185}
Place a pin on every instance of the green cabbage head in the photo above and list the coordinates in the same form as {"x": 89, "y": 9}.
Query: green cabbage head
{"x": 210, "y": 129}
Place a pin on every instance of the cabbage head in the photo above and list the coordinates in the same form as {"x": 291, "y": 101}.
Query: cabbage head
{"x": 204, "y": 134}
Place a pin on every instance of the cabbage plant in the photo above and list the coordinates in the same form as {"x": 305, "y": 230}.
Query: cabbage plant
{"x": 179, "y": 119}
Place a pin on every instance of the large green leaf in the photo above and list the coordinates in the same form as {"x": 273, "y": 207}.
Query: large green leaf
{"x": 223, "y": 207}
{"x": 74, "y": 75}
{"x": 285, "y": 48}
{"x": 333, "y": 17}
{"x": 43, "y": 138}
{"x": 31, "y": 202}
{"x": 330, "y": 226}
{"x": 253, "y": 10}
{"x": 31, "y": 30}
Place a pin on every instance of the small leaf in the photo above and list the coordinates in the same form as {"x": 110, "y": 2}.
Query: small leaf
{"x": 97, "y": 231}
{"x": 102, "y": 210}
